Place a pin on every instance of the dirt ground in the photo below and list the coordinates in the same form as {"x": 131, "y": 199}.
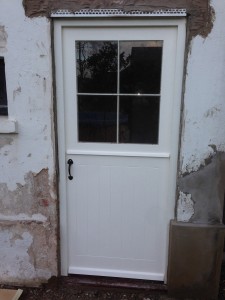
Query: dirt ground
{"x": 86, "y": 287}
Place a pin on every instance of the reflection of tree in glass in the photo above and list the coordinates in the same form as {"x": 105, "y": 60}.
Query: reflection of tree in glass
{"x": 143, "y": 73}
{"x": 97, "y": 64}
{"x": 124, "y": 61}
{"x": 104, "y": 60}
{"x": 82, "y": 59}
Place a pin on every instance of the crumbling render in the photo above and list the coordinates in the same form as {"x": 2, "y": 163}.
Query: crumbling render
{"x": 185, "y": 207}
{"x": 206, "y": 187}
{"x": 28, "y": 235}
{"x": 200, "y": 21}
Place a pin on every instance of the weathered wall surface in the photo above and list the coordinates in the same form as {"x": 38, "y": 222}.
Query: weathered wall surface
{"x": 202, "y": 167}
{"x": 200, "y": 12}
{"x": 28, "y": 215}
{"x": 202, "y": 141}
{"x": 28, "y": 203}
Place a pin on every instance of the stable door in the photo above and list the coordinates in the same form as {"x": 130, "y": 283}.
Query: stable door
{"x": 119, "y": 111}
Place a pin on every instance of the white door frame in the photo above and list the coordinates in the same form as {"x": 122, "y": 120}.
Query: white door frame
{"x": 59, "y": 26}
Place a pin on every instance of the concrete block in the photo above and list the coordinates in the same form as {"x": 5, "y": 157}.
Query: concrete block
{"x": 195, "y": 257}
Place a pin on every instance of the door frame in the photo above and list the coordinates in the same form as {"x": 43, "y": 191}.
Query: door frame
{"x": 59, "y": 26}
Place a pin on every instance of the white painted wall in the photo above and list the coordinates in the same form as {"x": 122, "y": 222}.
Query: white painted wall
{"x": 26, "y": 46}
{"x": 29, "y": 88}
{"x": 203, "y": 130}
{"x": 204, "y": 99}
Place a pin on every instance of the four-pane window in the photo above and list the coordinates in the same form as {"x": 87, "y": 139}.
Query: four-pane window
{"x": 118, "y": 91}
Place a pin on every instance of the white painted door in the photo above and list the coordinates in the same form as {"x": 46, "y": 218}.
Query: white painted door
{"x": 120, "y": 113}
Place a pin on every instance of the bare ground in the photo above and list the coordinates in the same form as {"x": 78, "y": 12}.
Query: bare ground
{"x": 86, "y": 287}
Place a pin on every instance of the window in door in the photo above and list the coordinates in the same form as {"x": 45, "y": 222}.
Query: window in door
{"x": 118, "y": 91}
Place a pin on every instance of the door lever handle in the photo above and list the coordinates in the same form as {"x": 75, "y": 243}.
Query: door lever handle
{"x": 70, "y": 162}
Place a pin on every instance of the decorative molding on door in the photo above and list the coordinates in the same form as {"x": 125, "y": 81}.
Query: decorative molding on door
{"x": 61, "y": 13}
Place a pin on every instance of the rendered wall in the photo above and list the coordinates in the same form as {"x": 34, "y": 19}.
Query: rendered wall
{"x": 28, "y": 203}
{"x": 201, "y": 166}
{"x": 201, "y": 182}
{"x": 28, "y": 218}
{"x": 197, "y": 238}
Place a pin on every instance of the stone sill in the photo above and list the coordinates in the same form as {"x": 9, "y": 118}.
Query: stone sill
{"x": 8, "y": 126}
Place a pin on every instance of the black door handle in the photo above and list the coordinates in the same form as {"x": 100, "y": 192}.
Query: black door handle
{"x": 70, "y": 162}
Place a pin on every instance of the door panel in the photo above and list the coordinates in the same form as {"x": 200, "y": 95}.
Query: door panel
{"x": 119, "y": 132}
{"x": 118, "y": 209}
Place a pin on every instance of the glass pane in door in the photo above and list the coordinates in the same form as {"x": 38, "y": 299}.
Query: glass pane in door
{"x": 140, "y": 67}
{"x": 118, "y": 91}
{"x": 97, "y": 119}
{"x": 96, "y": 66}
{"x": 139, "y": 120}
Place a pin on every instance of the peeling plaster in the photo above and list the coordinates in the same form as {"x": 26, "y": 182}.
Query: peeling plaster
{"x": 25, "y": 255}
{"x": 28, "y": 189}
{"x": 185, "y": 207}
{"x": 19, "y": 259}
{"x": 203, "y": 122}
{"x": 30, "y": 97}
{"x": 28, "y": 231}
{"x": 28, "y": 198}
{"x": 206, "y": 187}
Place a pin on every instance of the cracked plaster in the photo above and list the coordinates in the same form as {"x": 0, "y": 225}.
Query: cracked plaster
{"x": 202, "y": 149}
{"x": 207, "y": 188}
{"x": 28, "y": 249}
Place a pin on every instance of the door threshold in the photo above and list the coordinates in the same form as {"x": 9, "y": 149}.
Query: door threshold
{"x": 115, "y": 282}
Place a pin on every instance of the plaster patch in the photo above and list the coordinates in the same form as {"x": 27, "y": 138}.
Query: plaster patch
{"x": 201, "y": 14}
{"x": 28, "y": 231}
{"x": 185, "y": 207}
{"x": 14, "y": 259}
{"x": 27, "y": 255}
{"x": 26, "y": 200}
{"x": 207, "y": 187}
